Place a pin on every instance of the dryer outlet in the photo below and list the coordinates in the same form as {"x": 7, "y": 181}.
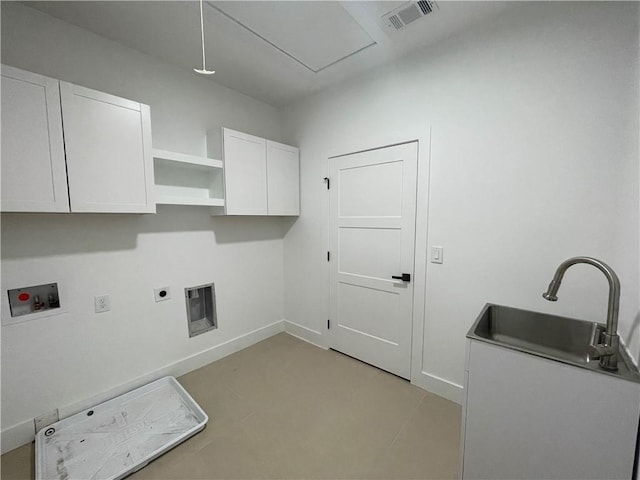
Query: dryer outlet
{"x": 161, "y": 294}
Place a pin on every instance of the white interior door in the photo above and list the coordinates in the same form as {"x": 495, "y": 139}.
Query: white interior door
{"x": 372, "y": 237}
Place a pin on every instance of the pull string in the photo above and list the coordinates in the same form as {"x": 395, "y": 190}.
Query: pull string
{"x": 204, "y": 61}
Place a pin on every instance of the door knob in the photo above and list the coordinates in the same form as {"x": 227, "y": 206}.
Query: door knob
{"x": 406, "y": 277}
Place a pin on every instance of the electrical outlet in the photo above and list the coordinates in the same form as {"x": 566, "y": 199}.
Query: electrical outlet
{"x": 102, "y": 303}
{"x": 45, "y": 420}
{"x": 162, "y": 293}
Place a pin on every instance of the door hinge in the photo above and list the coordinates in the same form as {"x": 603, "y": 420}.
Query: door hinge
{"x": 328, "y": 324}
{"x": 328, "y": 182}
{"x": 328, "y": 256}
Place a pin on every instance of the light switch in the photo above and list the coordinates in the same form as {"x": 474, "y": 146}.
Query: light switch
{"x": 437, "y": 254}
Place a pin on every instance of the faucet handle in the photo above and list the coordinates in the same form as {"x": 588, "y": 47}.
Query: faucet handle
{"x": 600, "y": 350}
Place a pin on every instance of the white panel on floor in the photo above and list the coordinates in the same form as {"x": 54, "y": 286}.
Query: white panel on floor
{"x": 120, "y": 436}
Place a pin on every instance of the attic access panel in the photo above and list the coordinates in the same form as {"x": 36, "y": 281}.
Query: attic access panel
{"x": 314, "y": 34}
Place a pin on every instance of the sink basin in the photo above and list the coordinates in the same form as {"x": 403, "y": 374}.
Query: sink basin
{"x": 556, "y": 338}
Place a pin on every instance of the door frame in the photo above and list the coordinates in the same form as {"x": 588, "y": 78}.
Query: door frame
{"x": 374, "y": 140}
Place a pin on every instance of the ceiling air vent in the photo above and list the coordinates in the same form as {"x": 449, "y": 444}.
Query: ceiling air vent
{"x": 408, "y": 13}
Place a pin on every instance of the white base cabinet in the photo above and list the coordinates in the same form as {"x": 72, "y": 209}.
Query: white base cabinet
{"x": 261, "y": 177}
{"x": 55, "y": 134}
{"x": 526, "y": 417}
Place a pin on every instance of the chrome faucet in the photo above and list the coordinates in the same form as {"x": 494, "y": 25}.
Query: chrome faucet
{"x": 607, "y": 350}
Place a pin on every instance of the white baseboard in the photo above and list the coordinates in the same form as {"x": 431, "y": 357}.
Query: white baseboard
{"x": 23, "y": 432}
{"x": 439, "y": 386}
{"x": 17, "y": 435}
{"x": 305, "y": 333}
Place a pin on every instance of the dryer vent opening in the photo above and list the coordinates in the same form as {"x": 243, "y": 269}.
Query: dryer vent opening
{"x": 201, "y": 309}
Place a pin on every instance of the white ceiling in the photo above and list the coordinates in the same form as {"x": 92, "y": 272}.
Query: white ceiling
{"x": 278, "y": 51}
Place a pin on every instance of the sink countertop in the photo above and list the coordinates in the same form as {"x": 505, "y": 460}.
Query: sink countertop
{"x": 556, "y": 338}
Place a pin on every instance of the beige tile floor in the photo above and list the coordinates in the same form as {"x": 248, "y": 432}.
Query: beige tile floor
{"x": 286, "y": 409}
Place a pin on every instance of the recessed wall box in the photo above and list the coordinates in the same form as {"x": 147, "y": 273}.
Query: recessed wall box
{"x": 27, "y": 300}
{"x": 201, "y": 309}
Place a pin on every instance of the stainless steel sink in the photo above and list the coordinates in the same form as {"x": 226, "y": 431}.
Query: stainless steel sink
{"x": 561, "y": 339}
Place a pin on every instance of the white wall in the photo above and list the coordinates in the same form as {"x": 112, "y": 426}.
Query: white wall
{"x": 534, "y": 159}
{"x": 64, "y": 360}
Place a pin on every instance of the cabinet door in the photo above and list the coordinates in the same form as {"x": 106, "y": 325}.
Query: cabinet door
{"x": 245, "y": 173}
{"x": 529, "y": 417}
{"x": 283, "y": 179}
{"x": 33, "y": 164}
{"x": 108, "y": 146}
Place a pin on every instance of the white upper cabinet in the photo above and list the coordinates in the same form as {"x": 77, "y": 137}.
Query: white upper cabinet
{"x": 261, "y": 177}
{"x": 283, "y": 179}
{"x": 33, "y": 163}
{"x": 100, "y": 161}
{"x": 245, "y": 173}
{"x": 109, "y": 157}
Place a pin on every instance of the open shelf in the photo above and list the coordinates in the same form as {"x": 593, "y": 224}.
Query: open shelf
{"x": 168, "y": 199}
{"x": 184, "y": 158}
{"x": 182, "y": 179}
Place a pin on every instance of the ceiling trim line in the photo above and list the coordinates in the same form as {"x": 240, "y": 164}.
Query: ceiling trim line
{"x": 373, "y": 43}
{"x": 259, "y": 36}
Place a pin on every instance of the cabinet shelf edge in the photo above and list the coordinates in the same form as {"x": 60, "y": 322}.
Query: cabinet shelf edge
{"x": 185, "y": 158}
